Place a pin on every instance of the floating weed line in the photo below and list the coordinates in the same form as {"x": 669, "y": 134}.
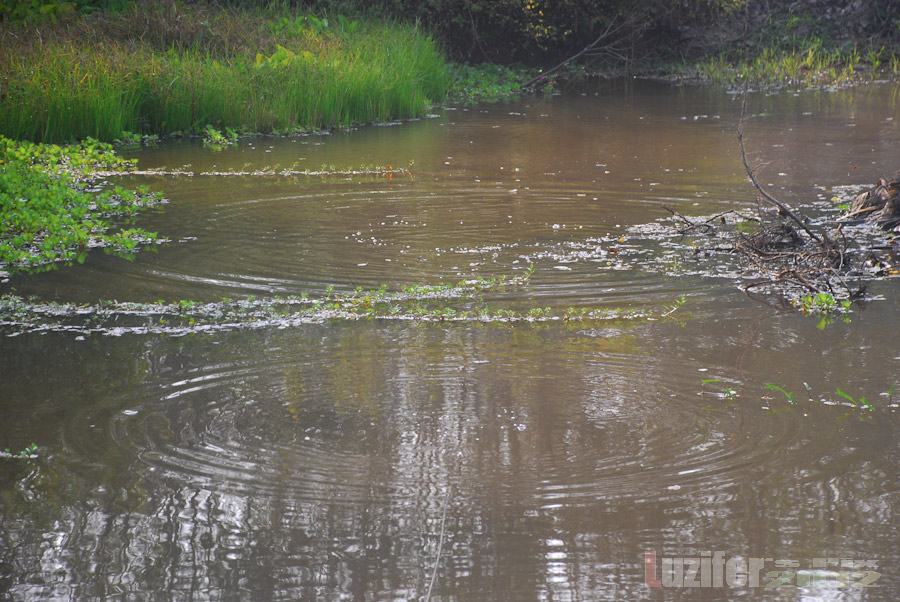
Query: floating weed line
{"x": 725, "y": 391}
{"x": 266, "y": 171}
{"x": 441, "y": 303}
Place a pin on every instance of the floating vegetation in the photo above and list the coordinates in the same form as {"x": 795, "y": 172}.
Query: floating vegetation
{"x": 29, "y": 452}
{"x": 720, "y": 388}
{"x": 727, "y": 391}
{"x": 788, "y": 395}
{"x": 486, "y": 82}
{"x": 51, "y": 209}
{"x": 265, "y": 171}
{"x": 856, "y": 402}
{"x": 818, "y": 264}
{"x": 131, "y": 140}
{"x": 441, "y": 303}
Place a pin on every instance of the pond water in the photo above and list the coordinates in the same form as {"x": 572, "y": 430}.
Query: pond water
{"x": 345, "y": 459}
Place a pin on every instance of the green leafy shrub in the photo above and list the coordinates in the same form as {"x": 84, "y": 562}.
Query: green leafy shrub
{"x": 46, "y": 213}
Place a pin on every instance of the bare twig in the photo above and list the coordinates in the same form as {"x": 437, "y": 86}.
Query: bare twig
{"x": 781, "y": 206}
{"x": 595, "y": 48}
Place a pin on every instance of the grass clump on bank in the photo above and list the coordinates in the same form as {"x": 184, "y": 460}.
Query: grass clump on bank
{"x": 158, "y": 73}
{"x": 813, "y": 65}
{"x": 47, "y": 213}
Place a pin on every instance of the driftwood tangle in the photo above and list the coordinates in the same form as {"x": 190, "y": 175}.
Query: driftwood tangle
{"x": 790, "y": 251}
{"x": 879, "y": 205}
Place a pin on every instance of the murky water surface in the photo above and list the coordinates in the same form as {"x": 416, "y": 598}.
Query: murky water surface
{"x": 345, "y": 459}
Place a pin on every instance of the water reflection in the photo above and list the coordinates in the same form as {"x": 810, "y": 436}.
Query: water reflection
{"x": 315, "y": 462}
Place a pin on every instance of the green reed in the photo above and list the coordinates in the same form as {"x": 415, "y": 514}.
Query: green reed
{"x": 810, "y": 64}
{"x": 65, "y": 90}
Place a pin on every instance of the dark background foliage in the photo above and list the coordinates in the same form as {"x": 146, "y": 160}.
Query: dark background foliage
{"x": 547, "y": 30}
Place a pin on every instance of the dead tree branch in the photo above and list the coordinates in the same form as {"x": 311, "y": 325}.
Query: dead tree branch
{"x": 784, "y": 209}
{"x": 605, "y": 44}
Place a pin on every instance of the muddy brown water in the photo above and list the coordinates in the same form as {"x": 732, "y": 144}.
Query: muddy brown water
{"x": 324, "y": 461}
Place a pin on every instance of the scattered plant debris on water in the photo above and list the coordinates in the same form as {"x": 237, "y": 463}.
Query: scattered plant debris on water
{"x": 265, "y": 171}
{"x": 448, "y": 303}
{"x": 820, "y": 265}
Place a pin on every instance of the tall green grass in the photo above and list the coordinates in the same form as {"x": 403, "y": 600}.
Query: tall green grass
{"x": 812, "y": 65}
{"x": 69, "y": 89}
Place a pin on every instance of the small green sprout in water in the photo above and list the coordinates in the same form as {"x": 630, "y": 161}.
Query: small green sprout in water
{"x": 856, "y": 402}
{"x": 790, "y": 396}
{"x": 727, "y": 391}
{"x": 670, "y": 309}
{"x": 825, "y": 306}
{"x": 536, "y": 313}
{"x": 27, "y": 453}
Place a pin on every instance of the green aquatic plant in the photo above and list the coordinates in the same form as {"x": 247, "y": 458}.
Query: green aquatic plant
{"x": 728, "y": 391}
{"x": 670, "y": 309}
{"x": 47, "y": 213}
{"x": 486, "y": 82}
{"x": 536, "y": 313}
{"x": 29, "y": 452}
{"x": 788, "y": 395}
{"x": 826, "y": 307}
{"x": 856, "y": 402}
{"x": 216, "y": 140}
{"x": 818, "y": 303}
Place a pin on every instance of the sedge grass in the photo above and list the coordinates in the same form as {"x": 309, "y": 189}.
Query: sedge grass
{"x": 65, "y": 89}
{"x": 811, "y": 65}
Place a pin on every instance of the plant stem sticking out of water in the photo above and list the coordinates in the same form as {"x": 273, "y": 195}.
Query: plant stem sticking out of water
{"x": 790, "y": 396}
{"x": 856, "y": 402}
{"x": 27, "y": 453}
